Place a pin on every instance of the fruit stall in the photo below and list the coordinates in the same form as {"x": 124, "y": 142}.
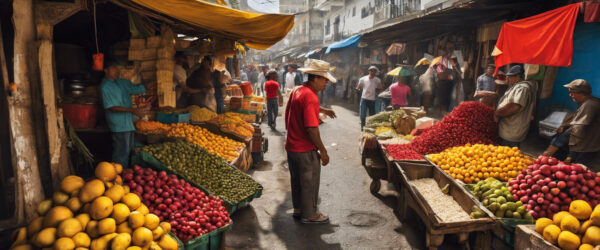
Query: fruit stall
{"x": 381, "y": 130}
{"x": 456, "y": 162}
{"x": 227, "y": 145}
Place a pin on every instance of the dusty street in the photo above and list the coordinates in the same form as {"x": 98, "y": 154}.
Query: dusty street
{"x": 359, "y": 220}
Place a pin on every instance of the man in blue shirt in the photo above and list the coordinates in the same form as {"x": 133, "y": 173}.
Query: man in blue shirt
{"x": 116, "y": 98}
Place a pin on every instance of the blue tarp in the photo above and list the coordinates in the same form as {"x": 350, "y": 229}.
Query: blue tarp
{"x": 585, "y": 66}
{"x": 350, "y": 42}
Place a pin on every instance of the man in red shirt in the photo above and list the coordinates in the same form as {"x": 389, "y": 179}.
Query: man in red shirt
{"x": 304, "y": 147}
{"x": 274, "y": 97}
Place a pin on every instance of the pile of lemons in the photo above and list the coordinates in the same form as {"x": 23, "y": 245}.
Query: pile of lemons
{"x": 98, "y": 214}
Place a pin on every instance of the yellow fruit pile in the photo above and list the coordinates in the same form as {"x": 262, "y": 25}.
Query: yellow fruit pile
{"x": 577, "y": 229}
{"x": 151, "y": 127}
{"x": 98, "y": 214}
{"x": 233, "y": 123}
{"x": 215, "y": 144}
{"x": 472, "y": 163}
{"x": 198, "y": 114}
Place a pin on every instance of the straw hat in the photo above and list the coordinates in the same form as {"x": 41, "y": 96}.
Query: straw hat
{"x": 319, "y": 68}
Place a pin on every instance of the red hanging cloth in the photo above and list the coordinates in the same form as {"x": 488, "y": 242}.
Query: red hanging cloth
{"x": 544, "y": 39}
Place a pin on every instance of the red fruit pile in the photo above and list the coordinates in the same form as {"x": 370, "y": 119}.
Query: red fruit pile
{"x": 548, "y": 186}
{"x": 470, "y": 122}
{"x": 190, "y": 211}
{"x": 403, "y": 152}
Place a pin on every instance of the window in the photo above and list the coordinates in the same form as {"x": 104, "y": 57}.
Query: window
{"x": 327, "y": 27}
{"x": 354, "y": 11}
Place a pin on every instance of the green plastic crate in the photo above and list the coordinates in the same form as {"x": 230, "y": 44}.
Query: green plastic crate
{"x": 209, "y": 241}
{"x": 145, "y": 159}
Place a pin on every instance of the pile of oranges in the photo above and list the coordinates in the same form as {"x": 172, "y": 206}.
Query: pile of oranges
{"x": 215, "y": 144}
{"x": 151, "y": 127}
{"x": 472, "y": 163}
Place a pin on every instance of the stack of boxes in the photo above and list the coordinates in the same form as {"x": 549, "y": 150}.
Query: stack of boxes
{"x": 154, "y": 57}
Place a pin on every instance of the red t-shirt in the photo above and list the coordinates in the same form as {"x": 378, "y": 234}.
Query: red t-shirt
{"x": 301, "y": 112}
{"x": 271, "y": 88}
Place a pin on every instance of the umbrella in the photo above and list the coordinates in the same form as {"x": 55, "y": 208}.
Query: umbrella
{"x": 395, "y": 49}
{"x": 436, "y": 60}
{"x": 423, "y": 61}
{"x": 400, "y": 71}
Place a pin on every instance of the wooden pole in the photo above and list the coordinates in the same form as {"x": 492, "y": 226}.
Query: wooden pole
{"x": 54, "y": 123}
{"x": 21, "y": 115}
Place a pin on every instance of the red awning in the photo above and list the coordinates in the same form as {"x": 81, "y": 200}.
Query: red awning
{"x": 544, "y": 39}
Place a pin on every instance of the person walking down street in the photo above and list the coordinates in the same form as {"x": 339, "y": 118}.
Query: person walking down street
{"x": 274, "y": 97}
{"x": 444, "y": 75}
{"x": 370, "y": 85}
{"x": 486, "y": 87}
{"x": 580, "y": 135}
{"x": 305, "y": 150}
{"x": 262, "y": 78}
{"x": 515, "y": 108}
{"x": 116, "y": 99}
{"x": 400, "y": 91}
{"x": 292, "y": 78}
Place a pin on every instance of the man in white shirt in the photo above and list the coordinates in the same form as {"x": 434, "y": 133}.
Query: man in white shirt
{"x": 371, "y": 87}
{"x": 290, "y": 78}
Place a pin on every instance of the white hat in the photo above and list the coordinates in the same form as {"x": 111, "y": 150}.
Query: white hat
{"x": 319, "y": 68}
{"x": 373, "y": 67}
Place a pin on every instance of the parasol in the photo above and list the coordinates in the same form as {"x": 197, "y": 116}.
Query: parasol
{"x": 423, "y": 61}
{"x": 400, "y": 71}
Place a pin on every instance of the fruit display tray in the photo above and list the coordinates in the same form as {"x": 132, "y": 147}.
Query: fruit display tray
{"x": 210, "y": 240}
{"x": 147, "y": 160}
{"x": 436, "y": 228}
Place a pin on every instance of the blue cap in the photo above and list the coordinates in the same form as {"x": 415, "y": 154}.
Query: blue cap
{"x": 515, "y": 70}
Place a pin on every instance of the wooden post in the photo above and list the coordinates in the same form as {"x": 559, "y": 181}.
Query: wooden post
{"x": 55, "y": 127}
{"x": 29, "y": 192}
{"x": 48, "y": 14}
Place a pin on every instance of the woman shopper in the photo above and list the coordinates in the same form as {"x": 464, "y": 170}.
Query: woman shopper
{"x": 400, "y": 91}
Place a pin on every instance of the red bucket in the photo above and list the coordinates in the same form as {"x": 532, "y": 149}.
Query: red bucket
{"x": 246, "y": 88}
{"x": 81, "y": 115}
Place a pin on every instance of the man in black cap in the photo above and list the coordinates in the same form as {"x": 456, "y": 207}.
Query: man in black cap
{"x": 580, "y": 134}
{"x": 515, "y": 108}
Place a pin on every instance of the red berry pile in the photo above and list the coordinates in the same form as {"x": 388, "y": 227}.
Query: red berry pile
{"x": 190, "y": 211}
{"x": 470, "y": 122}
{"x": 403, "y": 152}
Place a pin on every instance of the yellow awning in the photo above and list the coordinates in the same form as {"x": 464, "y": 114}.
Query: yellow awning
{"x": 259, "y": 31}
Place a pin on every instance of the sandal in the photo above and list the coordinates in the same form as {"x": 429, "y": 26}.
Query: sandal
{"x": 322, "y": 219}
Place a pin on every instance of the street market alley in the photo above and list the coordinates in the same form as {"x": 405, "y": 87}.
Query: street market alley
{"x": 359, "y": 220}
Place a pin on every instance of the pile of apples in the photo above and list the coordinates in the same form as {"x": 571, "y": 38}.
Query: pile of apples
{"x": 548, "y": 186}
{"x": 190, "y": 211}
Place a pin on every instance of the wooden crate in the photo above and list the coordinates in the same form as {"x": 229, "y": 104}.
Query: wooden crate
{"x": 527, "y": 238}
{"x": 149, "y": 54}
{"x": 137, "y": 44}
{"x": 153, "y": 42}
{"x": 436, "y": 228}
{"x": 167, "y": 99}
{"x": 148, "y": 65}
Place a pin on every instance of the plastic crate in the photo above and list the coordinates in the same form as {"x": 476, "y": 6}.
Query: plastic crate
{"x": 209, "y": 241}
{"x": 173, "y": 118}
{"x": 145, "y": 159}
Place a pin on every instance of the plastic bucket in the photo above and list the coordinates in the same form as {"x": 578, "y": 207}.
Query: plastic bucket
{"x": 81, "y": 115}
{"x": 246, "y": 88}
